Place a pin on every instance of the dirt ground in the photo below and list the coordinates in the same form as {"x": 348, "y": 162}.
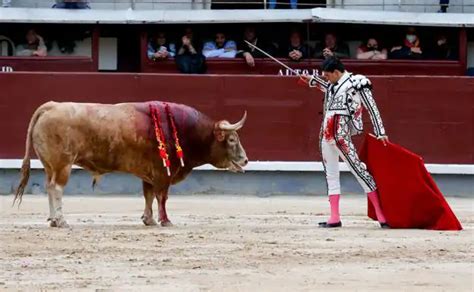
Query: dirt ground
{"x": 227, "y": 243}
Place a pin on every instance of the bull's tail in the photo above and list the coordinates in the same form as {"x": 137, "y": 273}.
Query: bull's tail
{"x": 25, "y": 168}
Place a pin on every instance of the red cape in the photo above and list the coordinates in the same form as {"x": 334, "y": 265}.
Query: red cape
{"x": 408, "y": 194}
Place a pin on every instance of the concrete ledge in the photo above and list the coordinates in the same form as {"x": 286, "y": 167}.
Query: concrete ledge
{"x": 259, "y": 183}
{"x": 286, "y": 166}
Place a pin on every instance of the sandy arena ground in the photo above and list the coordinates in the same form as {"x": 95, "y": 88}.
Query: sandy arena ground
{"x": 224, "y": 243}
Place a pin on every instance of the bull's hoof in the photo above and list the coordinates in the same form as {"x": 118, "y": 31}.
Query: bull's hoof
{"x": 58, "y": 222}
{"x": 148, "y": 221}
{"x": 166, "y": 223}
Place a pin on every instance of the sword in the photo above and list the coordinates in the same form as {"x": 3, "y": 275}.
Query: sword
{"x": 273, "y": 58}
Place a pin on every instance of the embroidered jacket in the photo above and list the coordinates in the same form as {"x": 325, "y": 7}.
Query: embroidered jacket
{"x": 347, "y": 97}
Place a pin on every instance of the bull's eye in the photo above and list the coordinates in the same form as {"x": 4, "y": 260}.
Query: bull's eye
{"x": 232, "y": 141}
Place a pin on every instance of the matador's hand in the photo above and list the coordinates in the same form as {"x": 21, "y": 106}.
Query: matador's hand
{"x": 384, "y": 140}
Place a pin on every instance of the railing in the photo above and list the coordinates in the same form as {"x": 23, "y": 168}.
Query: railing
{"x": 455, "y": 6}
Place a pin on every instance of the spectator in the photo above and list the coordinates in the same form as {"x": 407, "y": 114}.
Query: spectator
{"x": 332, "y": 47}
{"x": 371, "y": 50}
{"x": 72, "y": 4}
{"x": 249, "y": 53}
{"x": 273, "y": 3}
{"x": 296, "y": 50}
{"x": 220, "y": 48}
{"x": 159, "y": 48}
{"x": 6, "y": 3}
{"x": 411, "y": 47}
{"x": 34, "y": 45}
{"x": 443, "y": 4}
{"x": 189, "y": 58}
{"x": 442, "y": 50}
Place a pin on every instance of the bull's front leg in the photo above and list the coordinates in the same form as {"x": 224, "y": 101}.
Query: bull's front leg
{"x": 147, "y": 216}
{"x": 162, "y": 196}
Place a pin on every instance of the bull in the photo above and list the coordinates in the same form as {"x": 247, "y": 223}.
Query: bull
{"x": 104, "y": 138}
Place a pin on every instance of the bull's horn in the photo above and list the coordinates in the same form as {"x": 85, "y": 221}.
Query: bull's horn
{"x": 234, "y": 127}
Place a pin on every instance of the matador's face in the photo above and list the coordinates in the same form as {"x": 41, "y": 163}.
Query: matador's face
{"x": 332, "y": 77}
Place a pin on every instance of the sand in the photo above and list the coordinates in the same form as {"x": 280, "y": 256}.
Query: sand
{"x": 227, "y": 243}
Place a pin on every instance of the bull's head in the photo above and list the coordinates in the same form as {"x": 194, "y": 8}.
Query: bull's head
{"x": 227, "y": 152}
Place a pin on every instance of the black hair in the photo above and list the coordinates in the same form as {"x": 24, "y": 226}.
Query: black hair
{"x": 332, "y": 64}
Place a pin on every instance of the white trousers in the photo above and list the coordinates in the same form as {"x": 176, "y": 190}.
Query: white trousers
{"x": 339, "y": 144}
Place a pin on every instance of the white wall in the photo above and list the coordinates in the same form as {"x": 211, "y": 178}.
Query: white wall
{"x": 108, "y": 54}
{"x": 470, "y": 54}
{"x": 116, "y": 4}
{"x": 458, "y": 6}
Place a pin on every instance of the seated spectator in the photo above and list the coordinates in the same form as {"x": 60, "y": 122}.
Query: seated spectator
{"x": 189, "y": 58}
{"x": 443, "y": 4}
{"x": 248, "y": 52}
{"x": 159, "y": 48}
{"x": 220, "y": 48}
{"x": 34, "y": 46}
{"x": 332, "y": 47}
{"x": 371, "y": 50}
{"x": 442, "y": 49}
{"x": 72, "y": 4}
{"x": 272, "y": 4}
{"x": 296, "y": 50}
{"x": 410, "y": 49}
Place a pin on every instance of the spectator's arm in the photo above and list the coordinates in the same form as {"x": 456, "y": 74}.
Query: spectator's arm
{"x": 229, "y": 55}
{"x": 361, "y": 55}
{"x": 150, "y": 51}
{"x": 181, "y": 50}
{"x": 210, "y": 51}
{"x": 42, "y": 50}
{"x": 230, "y": 46}
{"x": 381, "y": 55}
{"x": 192, "y": 50}
{"x": 172, "y": 50}
{"x": 230, "y": 50}
{"x": 213, "y": 53}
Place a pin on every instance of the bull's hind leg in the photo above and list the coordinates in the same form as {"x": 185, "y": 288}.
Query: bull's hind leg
{"x": 147, "y": 216}
{"x": 162, "y": 196}
{"x": 55, "y": 186}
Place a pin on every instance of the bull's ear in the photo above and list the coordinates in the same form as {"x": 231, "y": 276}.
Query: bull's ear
{"x": 220, "y": 135}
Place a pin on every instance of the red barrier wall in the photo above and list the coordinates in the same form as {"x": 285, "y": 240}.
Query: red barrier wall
{"x": 432, "y": 116}
{"x": 269, "y": 67}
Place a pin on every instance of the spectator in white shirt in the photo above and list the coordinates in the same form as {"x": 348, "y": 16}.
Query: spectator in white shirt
{"x": 220, "y": 48}
{"x": 34, "y": 46}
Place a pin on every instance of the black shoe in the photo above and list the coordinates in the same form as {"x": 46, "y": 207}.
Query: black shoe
{"x": 330, "y": 225}
{"x": 384, "y": 226}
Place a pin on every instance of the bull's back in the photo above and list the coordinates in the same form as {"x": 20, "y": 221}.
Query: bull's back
{"x": 99, "y": 137}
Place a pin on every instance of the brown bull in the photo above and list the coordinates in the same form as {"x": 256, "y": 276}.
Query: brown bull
{"x": 103, "y": 138}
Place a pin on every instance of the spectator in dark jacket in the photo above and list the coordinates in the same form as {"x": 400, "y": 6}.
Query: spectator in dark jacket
{"x": 296, "y": 50}
{"x": 72, "y": 4}
{"x": 189, "y": 57}
{"x": 331, "y": 46}
{"x": 442, "y": 49}
{"x": 248, "y": 52}
{"x": 410, "y": 48}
